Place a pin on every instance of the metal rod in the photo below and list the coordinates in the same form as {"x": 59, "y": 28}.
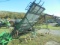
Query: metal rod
{"x": 34, "y": 1}
{"x": 28, "y": 6}
{"x": 39, "y": 1}
{"x": 42, "y": 3}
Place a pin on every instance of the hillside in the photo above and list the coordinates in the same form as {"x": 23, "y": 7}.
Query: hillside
{"x": 11, "y": 14}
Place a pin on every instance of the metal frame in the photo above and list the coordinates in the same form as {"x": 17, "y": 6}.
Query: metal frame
{"x": 35, "y": 4}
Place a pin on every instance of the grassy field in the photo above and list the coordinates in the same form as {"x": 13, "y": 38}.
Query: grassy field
{"x": 27, "y": 39}
{"x": 47, "y": 26}
{"x": 4, "y": 29}
{"x": 39, "y": 40}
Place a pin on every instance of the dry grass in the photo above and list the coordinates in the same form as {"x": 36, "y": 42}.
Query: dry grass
{"x": 39, "y": 40}
{"x": 27, "y": 39}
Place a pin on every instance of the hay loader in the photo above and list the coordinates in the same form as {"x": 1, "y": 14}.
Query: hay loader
{"x": 34, "y": 11}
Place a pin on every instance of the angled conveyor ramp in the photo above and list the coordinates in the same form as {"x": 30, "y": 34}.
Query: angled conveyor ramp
{"x": 31, "y": 17}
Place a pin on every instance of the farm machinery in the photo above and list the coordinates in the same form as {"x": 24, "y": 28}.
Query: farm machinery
{"x": 34, "y": 11}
